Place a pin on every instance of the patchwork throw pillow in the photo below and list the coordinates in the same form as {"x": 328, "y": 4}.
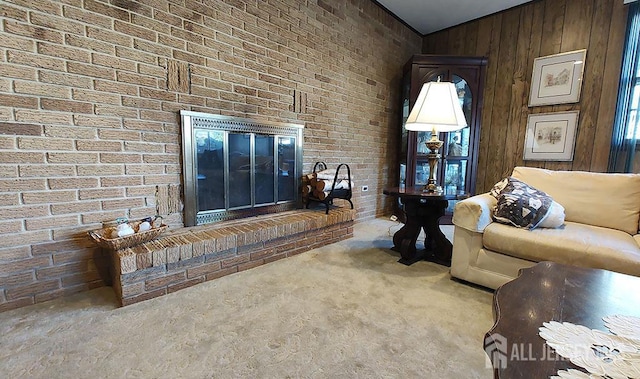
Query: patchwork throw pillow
{"x": 521, "y": 205}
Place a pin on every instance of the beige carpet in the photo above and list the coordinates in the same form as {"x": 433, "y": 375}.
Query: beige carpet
{"x": 348, "y": 310}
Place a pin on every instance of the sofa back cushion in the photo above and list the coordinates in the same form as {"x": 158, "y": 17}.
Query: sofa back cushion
{"x": 600, "y": 199}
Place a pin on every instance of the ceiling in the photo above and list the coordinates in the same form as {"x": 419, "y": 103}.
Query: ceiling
{"x": 427, "y": 16}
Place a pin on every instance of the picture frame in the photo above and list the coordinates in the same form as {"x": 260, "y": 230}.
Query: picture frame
{"x": 551, "y": 136}
{"x": 557, "y": 79}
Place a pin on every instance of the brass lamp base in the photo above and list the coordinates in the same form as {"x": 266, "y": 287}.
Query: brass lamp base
{"x": 434, "y": 144}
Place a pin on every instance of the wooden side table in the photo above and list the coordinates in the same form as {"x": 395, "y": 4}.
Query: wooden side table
{"x": 423, "y": 210}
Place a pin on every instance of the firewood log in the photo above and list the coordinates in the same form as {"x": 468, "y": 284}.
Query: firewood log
{"x": 320, "y": 195}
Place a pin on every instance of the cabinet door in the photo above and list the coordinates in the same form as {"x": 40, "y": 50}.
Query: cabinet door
{"x": 457, "y": 144}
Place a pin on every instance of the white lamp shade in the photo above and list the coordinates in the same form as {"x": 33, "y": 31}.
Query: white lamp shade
{"x": 437, "y": 108}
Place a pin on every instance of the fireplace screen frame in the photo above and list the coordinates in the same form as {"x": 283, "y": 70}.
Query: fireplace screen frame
{"x": 191, "y": 122}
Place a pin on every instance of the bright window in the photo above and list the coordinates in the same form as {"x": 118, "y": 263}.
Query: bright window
{"x": 633, "y": 122}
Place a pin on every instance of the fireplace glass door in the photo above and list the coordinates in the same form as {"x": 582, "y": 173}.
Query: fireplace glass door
{"x": 241, "y": 168}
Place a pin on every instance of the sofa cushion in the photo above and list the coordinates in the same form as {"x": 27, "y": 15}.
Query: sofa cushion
{"x": 574, "y": 243}
{"x": 521, "y": 205}
{"x": 555, "y": 216}
{"x": 600, "y": 199}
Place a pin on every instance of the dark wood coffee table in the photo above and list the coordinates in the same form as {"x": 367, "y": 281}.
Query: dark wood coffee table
{"x": 551, "y": 291}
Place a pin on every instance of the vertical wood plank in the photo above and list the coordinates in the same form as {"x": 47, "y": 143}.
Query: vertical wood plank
{"x": 552, "y": 27}
{"x": 442, "y": 42}
{"x": 610, "y": 83}
{"x": 457, "y": 37}
{"x": 592, "y": 84}
{"x": 483, "y": 48}
{"x": 534, "y": 52}
{"x": 483, "y": 37}
{"x": 493, "y": 64}
{"x": 551, "y": 43}
{"x": 576, "y": 32}
{"x": 502, "y": 98}
{"x": 515, "y": 126}
{"x": 472, "y": 38}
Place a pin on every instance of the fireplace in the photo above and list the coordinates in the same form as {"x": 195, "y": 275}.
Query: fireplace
{"x": 235, "y": 167}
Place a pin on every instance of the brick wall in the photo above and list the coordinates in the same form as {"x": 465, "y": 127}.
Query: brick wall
{"x": 89, "y": 99}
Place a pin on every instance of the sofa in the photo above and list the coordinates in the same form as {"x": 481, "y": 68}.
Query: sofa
{"x": 600, "y": 228}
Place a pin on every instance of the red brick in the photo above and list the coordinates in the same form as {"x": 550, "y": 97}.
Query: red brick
{"x": 34, "y": 32}
{"x": 32, "y": 289}
{"x": 221, "y": 273}
{"x": 14, "y": 42}
{"x": 48, "y": 197}
{"x": 63, "y": 79}
{"x": 274, "y": 258}
{"x": 87, "y": 17}
{"x": 250, "y": 265}
{"x": 143, "y": 297}
{"x": 106, "y": 10}
{"x": 59, "y": 23}
{"x": 51, "y": 295}
{"x": 96, "y": 97}
{"x": 131, "y": 290}
{"x": 61, "y": 246}
{"x": 89, "y": 43}
{"x": 35, "y": 60}
{"x": 60, "y": 270}
{"x": 52, "y": 222}
{"x": 10, "y": 11}
{"x": 72, "y": 183}
{"x": 88, "y": 278}
{"x": 164, "y": 281}
{"x": 15, "y": 253}
{"x": 68, "y": 53}
{"x": 18, "y": 101}
{"x": 188, "y": 283}
{"x": 132, "y": 30}
{"x": 235, "y": 261}
{"x": 99, "y": 145}
{"x": 91, "y": 70}
{"x": 205, "y": 269}
{"x": 37, "y": 143}
{"x": 16, "y": 303}
{"x": 17, "y": 279}
{"x": 76, "y": 207}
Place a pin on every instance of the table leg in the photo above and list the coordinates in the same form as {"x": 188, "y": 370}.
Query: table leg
{"x": 436, "y": 243}
{"x": 423, "y": 216}
{"x": 404, "y": 240}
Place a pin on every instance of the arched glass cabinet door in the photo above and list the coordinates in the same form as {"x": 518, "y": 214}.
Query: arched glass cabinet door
{"x": 422, "y": 169}
{"x": 458, "y": 145}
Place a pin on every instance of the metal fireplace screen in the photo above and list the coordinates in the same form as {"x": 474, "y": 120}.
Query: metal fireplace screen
{"x": 237, "y": 168}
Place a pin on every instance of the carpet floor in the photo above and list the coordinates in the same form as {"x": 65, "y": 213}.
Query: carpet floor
{"x": 347, "y": 310}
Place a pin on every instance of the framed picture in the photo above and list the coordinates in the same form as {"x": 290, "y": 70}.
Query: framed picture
{"x": 557, "y": 79}
{"x": 551, "y": 136}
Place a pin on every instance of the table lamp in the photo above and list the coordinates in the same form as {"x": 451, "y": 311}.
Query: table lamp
{"x": 437, "y": 109}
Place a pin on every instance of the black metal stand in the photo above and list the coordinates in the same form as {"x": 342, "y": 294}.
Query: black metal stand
{"x": 334, "y": 193}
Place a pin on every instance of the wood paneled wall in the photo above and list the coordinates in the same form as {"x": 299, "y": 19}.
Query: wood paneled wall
{"x": 512, "y": 40}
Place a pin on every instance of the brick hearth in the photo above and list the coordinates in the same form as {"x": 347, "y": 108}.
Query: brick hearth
{"x": 185, "y": 257}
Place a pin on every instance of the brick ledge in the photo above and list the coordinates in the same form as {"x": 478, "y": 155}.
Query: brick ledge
{"x": 184, "y": 257}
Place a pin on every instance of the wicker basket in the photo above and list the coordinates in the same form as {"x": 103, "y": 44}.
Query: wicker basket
{"x": 102, "y": 237}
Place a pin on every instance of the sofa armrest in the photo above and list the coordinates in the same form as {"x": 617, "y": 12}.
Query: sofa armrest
{"x": 637, "y": 238}
{"x": 474, "y": 213}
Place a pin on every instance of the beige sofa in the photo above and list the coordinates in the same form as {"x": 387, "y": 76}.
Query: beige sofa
{"x": 601, "y": 228}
